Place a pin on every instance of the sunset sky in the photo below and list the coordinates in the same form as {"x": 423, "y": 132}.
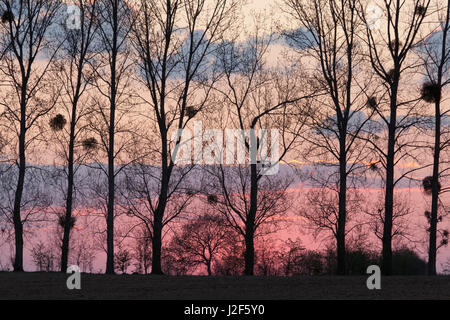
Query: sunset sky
{"x": 300, "y": 163}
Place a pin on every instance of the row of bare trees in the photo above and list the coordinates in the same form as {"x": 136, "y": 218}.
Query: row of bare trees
{"x": 394, "y": 46}
{"x": 119, "y": 81}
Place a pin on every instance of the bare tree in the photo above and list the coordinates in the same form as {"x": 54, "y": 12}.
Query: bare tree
{"x": 113, "y": 68}
{"x": 267, "y": 258}
{"x": 202, "y": 241}
{"x": 401, "y": 215}
{"x": 43, "y": 257}
{"x": 328, "y": 33}
{"x": 292, "y": 249}
{"x": 73, "y": 73}
{"x": 321, "y": 210}
{"x": 122, "y": 259}
{"x": 389, "y": 50}
{"x": 82, "y": 252}
{"x": 174, "y": 41}
{"x": 140, "y": 188}
{"x": 257, "y": 98}
{"x": 24, "y": 37}
{"x": 142, "y": 249}
{"x": 435, "y": 52}
{"x": 232, "y": 260}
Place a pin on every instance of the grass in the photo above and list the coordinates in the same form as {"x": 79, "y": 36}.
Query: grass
{"x": 40, "y": 285}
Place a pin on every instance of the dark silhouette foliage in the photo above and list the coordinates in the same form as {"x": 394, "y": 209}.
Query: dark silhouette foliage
{"x": 122, "y": 260}
{"x": 58, "y": 122}
{"x": 62, "y": 221}
{"x": 90, "y": 144}
{"x": 373, "y": 166}
{"x": 390, "y": 75}
{"x": 7, "y": 16}
{"x": 357, "y": 260}
{"x": 394, "y": 43}
{"x": 420, "y": 10}
{"x": 212, "y": 199}
{"x": 406, "y": 262}
{"x": 372, "y": 102}
{"x": 191, "y": 112}
{"x": 431, "y": 92}
{"x": 427, "y": 184}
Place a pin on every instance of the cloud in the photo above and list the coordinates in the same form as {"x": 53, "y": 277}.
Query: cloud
{"x": 299, "y": 39}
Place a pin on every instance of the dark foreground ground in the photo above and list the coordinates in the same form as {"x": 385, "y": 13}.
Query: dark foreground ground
{"x": 53, "y": 286}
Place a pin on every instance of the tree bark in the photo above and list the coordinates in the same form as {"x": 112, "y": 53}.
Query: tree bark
{"x": 111, "y": 195}
{"x": 111, "y": 150}
{"x": 432, "y": 247}
{"x": 389, "y": 195}
{"x": 69, "y": 200}
{"x": 157, "y": 244}
{"x": 342, "y": 216}
{"x": 17, "y": 220}
{"x": 249, "y": 255}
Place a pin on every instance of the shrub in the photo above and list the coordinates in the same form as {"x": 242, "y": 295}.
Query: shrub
{"x": 406, "y": 262}
{"x": 358, "y": 260}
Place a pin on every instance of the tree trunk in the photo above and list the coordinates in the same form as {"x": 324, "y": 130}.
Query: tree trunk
{"x": 249, "y": 255}
{"x": 389, "y": 196}
{"x": 70, "y": 183}
{"x": 111, "y": 194}
{"x": 208, "y": 267}
{"x": 18, "y": 225}
{"x": 166, "y": 171}
{"x": 342, "y": 217}
{"x": 432, "y": 247}
{"x": 111, "y": 152}
{"x": 157, "y": 244}
{"x": 158, "y": 224}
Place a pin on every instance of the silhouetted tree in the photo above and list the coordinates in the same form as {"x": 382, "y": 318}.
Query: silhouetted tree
{"x": 321, "y": 210}
{"x": 112, "y": 78}
{"x": 231, "y": 262}
{"x": 328, "y": 33}
{"x": 175, "y": 41}
{"x": 401, "y": 215}
{"x": 389, "y": 50}
{"x": 82, "y": 252}
{"x": 72, "y": 71}
{"x": 122, "y": 259}
{"x": 257, "y": 98}
{"x": 43, "y": 257}
{"x": 435, "y": 51}
{"x": 142, "y": 249}
{"x": 202, "y": 241}
{"x": 24, "y": 34}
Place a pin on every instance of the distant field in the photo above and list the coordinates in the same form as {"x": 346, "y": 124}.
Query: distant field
{"x": 53, "y": 286}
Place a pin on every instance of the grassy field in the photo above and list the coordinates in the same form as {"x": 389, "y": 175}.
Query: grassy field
{"x": 53, "y": 286}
